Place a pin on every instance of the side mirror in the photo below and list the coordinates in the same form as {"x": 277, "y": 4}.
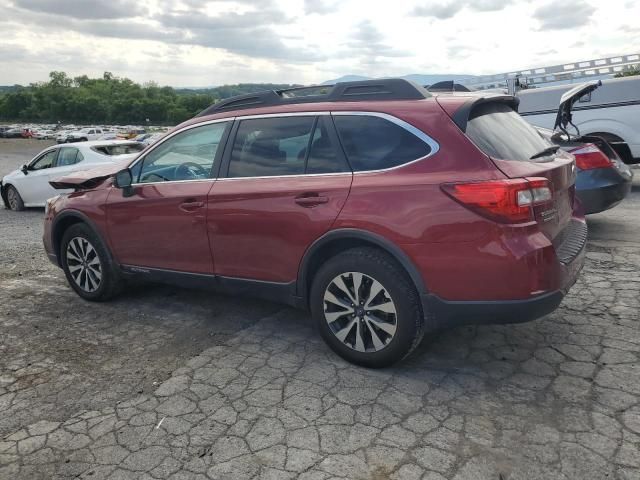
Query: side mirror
{"x": 123, "y": 180}
{"x": 25, "y": 169}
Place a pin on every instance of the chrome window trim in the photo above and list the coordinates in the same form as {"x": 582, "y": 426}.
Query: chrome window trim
{"x": 296, "y": 175}
{"x": 433, "y": 145}
{"x": 144, "y": 154}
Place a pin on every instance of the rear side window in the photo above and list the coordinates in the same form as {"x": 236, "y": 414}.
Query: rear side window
{"x": 322, "y": 154}
{"x": 266, "y": 147}
{"x": 502, "y": 133}
{"x": 374, "y": 143}
{"x": 67, "y": 156}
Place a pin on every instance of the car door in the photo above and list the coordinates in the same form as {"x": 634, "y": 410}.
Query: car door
{"x": 162, "y": 225}
{"x": 34, "y": 186}
{"x": 284, "y": 184}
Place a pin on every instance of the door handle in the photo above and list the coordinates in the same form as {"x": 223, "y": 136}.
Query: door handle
{"x": 311, "y": 201}
{"x": 190, "y": 206}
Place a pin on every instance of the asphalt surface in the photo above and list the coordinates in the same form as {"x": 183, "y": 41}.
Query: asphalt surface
{"x": 171, "y": 383}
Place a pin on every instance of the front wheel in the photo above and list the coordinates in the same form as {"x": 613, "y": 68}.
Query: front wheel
{"x": 14, "y": 199}
{"x": 367, "y": 308}
{"x": 88, "y": 265}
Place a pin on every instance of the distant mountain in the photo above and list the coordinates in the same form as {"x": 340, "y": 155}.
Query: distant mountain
{"x": 415, "y": 77}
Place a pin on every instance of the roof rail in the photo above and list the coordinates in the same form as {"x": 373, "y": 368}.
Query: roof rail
{"x": 383, "y": 89}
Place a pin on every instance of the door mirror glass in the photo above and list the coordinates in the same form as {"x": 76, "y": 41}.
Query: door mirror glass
{"x": 123, "y": 180}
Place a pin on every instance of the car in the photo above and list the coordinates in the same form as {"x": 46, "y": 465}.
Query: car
{"x": 43, "y": 134}
{"x": 612, "y": 112}
{"x": 603, "y": 179}
{"x": 152, "y": 138}
{"x": 85, "y": 134}
{"x": 385, "y": 211}
{"x": 29, "y": 186}
{"x": 13, "y": 133}
{"x": 61, "y": 136}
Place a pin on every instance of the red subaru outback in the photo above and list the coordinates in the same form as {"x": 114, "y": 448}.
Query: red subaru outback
{"x": 385, "y": 211}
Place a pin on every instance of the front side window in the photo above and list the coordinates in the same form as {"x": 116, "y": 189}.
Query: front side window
{"x": 189, "y": 155}
{"x": 375, "y": 143}
{"x": 267, "y": 147}
{"x": 45, "y": 161}
{"x": 67, "y": 156}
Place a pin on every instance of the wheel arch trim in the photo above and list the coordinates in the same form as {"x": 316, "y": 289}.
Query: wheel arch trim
{"x": 56, "y": 237}
{"x": 356, "y": 234}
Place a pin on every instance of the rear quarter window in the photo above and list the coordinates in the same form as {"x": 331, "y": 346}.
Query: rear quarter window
{"x": 375, "y": 143}
{"x": 503, "y": 134}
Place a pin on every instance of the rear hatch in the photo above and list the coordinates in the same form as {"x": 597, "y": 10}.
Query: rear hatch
{"x": 520, "y": 152}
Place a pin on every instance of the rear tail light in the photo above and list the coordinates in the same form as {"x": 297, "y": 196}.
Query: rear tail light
{"x": 505, "y": 201}
{"x": 590, "y": 156}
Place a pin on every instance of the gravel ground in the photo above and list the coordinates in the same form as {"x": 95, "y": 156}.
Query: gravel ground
{"x": 170, "y": 383}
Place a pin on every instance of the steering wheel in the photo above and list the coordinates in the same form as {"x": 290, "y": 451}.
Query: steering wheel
{"x": 188, "y": 170}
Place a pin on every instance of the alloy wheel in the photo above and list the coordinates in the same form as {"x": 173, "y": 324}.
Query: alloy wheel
{"x": 12, "y": 198}
{"x": 360, "y": 312}
{"x": 84, "y": 264}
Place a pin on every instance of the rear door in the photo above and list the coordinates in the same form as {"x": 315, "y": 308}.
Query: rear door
{"x": 163, "y": 224}
{"x": 285, "y": 183}
{"x": 511, "y": 143}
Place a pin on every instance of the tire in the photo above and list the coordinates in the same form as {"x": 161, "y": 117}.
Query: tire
{"x": 14, "y": 200}
{"x": 88, "y": 265}
{"x": 378, "y": 274}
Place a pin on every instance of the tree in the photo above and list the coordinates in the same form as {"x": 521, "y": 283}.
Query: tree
{"x": 111, "y": 99}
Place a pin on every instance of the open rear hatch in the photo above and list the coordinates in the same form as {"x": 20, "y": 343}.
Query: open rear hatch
{"x": 494, "y": 126}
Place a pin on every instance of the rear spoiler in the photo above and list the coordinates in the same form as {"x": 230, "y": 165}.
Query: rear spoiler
{"x": 461, "y": 115}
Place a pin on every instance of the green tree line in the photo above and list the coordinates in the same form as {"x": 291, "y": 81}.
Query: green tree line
{"x": 110, "y": 100}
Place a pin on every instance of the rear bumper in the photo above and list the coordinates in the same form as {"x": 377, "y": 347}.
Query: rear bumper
{"x": 448, "y": 314}
{"x": 570, "y": 256}
{"x": 600, "y": 199}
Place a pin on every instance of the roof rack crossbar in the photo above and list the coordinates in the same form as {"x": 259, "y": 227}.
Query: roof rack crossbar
{"x": 385, "y": 89}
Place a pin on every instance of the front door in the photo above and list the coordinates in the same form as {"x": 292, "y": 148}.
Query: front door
{"x": 284, "y": 186}
{"x": 163, "y": 224}
{"x": 34, "y": 185}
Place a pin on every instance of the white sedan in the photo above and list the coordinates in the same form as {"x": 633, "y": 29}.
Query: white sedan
{"x": 29, "y": 186}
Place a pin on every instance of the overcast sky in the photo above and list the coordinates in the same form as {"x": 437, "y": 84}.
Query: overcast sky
{"x": 213, "y": 42}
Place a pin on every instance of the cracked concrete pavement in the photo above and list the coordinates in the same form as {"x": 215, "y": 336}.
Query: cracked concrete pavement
{"x": 169, "y": 383}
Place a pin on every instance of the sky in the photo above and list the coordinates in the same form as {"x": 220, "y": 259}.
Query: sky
{"x": 193, "y": 43}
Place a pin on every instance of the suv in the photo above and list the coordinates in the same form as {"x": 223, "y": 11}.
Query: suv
{"x": 385, "y": 211}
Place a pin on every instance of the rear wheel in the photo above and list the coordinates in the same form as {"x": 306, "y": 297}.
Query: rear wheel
{"x": 366, "y": 308}
{"x": 88, "y": 265}
{"x": 14, "y": 199}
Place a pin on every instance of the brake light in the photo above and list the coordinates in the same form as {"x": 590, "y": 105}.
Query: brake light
{"x": 505, "y": 201}
{"x": 590, "y": 156}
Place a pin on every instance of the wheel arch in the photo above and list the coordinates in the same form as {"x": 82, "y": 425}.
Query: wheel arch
{"x": 340, "y": 240}
{"x": 63, "y": 222}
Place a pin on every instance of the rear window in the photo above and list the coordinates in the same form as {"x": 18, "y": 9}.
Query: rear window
{"x": 373, "y": 143}
{"x": 502, "y": 133}
{"x": 119, "y": 149}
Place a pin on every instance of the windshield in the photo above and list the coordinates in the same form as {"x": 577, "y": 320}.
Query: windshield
{"x": 503, "y": 134}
